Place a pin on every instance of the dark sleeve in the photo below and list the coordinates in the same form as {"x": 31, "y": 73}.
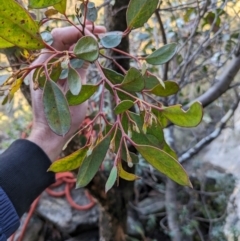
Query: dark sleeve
{"x": 23, "y": 175}
{"x": 9, "y": 220}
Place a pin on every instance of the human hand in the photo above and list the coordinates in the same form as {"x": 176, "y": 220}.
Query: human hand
{"x": 42, "y": 135}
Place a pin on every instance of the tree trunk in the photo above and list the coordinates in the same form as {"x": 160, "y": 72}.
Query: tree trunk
{"x": 114, "y": 204}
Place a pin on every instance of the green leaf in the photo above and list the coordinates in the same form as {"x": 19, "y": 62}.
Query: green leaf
{"x": 56, "y": 108}
{"x": 111, "y": 39}
{"x": 123, "y": 106}
{"x": 154, "y": 130}
{"x": 75, "y": 63}
{"x": 133, "y": 81}
{"x": 164, "y": 163}
{"x": 161, "y": 118}
{"x": 189, "y": 118}
{"x": 61, "y": 6}
{"x": 124, "y": 96}
{"x": 40, "y": 77}
{"x": 111, "y": 179}
{"x": 87, "y": 49}
{"x": 86, "y": 92}
{"x": 56, "y": 71}
{"x": 42, "y": 3}
{"x": 70, "y": 162}
{"x": 18, "y": 27}
{"x": 171, "y": 88}
{"x": 153, "y": 137}
{"x": 150, "y": 82}
{"x": 125, "y": 175}
{"x": 74, "y": 81}
{"x": 113, "y": 76}
{"x": 133, "y": 156}
{"x": 5, "y": 44}
{"x": 92, "y": 12}
{"x": 139, "y": 11}
{"x": 162, "y": 55}
{"x": 169, "y": 150}
{"x": 92, "y": 163}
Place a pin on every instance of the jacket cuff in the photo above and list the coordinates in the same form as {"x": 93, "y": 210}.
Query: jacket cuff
{"x": 23, "y": 173}
{"x": 9, "y": 220}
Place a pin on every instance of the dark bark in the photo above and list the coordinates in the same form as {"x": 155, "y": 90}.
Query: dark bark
{"x": 113, "y": 207}
{"x": 114, "y": 204}
{"x": 115, "y": 20}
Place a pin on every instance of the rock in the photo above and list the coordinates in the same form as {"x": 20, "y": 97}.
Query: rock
{"x": 151, "y": 205}
{"x": 232, "y": 226}
{"x": 135, "y": 228}
{"x": 224, "y": 152}
{"x": 60, "y": 213}
{"x": 33, "y": 230}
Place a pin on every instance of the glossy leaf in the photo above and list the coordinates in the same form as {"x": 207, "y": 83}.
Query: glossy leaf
{"x": 111, "y": 179}
{"x": 56, "y": 109}
{"x": 42, "y": 3}
{"x": 47, "y": 37}
{"x": 74, "y": 81}
{"x": 87, "y": 49}
{"x": 133, "y": 81}
{"x": 86, "y": 92}
{"x": 162, "y": 55}
{"x": 123, "y": 106}
{"x": 92, "y": 163}
{"x": 171, "y": 88}
{"x": 180, "y": 117}
{"x": 110, "y": 39}
{"x": 61, "y": 6}
{"x": 164, "y": 163}
{"x": 70, "y": 162}
{"x": 113, "y": 76}
{"x": 125, "y": 175}
{"x": 139, "y": 11}
{"x": 5, "y": 44}
{"x": 18, "y": 27}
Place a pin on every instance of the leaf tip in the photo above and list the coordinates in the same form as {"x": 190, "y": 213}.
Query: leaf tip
{"x": 190, "y": 184}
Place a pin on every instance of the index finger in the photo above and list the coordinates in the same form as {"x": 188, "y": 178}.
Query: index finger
{"x": 67, "y": 36}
